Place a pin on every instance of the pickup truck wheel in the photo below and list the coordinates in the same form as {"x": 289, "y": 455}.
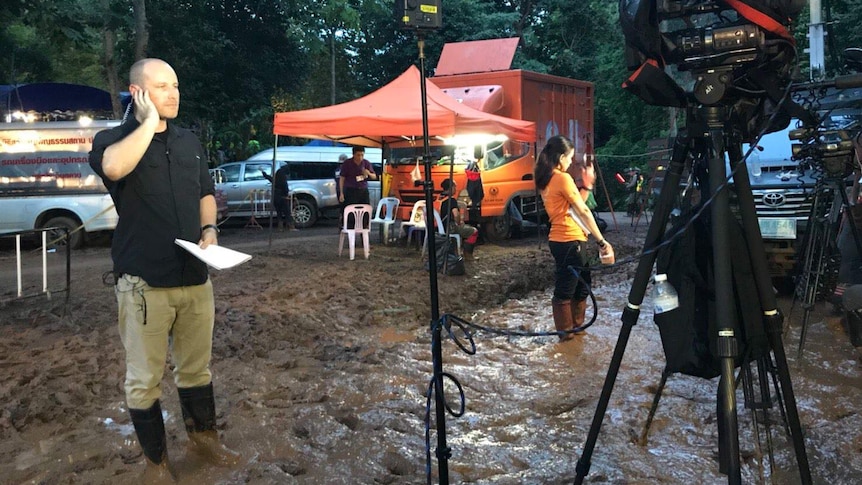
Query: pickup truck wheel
{"x": 76, "y": 239}
{"x": 304, "y": 213}
{"x": 498, "y": 228}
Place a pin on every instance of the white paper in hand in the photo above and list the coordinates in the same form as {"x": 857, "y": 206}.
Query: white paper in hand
{"x": 219, "y": 257}
{"x": 578, "y": 221}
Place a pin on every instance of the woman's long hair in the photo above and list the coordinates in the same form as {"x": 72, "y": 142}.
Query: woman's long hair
{"x": 556, "y": 147}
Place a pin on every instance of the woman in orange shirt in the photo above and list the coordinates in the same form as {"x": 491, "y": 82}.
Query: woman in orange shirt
{"x": 570, "y": 219}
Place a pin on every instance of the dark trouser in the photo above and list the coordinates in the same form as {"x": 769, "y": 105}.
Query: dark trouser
{"x": 354, "y": 195}
{"x": 568, "y": 286}
{"x": 850, "y": 271}
{"x": 283, "y": 209}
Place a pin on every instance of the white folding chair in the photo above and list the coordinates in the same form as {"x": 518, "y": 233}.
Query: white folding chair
{"x": 415, "y": 222}
{"x": 387, "y": 210}
{"x": 355, "y": 216}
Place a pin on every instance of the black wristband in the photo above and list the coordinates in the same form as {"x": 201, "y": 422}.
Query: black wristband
{"x": 601, "y": 243}
{"x": 210, "y": 226}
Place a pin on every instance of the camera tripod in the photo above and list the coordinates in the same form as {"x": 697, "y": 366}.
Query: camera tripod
{"x": 709, "y": 133}
{"x": 821, "y": 253}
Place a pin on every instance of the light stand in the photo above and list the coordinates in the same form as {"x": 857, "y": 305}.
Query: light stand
{"x": 443, "y": 452}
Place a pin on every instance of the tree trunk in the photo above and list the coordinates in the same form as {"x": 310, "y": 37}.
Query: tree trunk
{"x": 109, "y": 39}
{"x": 142, "y": 33}
{"x": 332, "y": 66}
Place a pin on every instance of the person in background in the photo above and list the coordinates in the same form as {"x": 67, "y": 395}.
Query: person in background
{"x": 852, "y": 303}
{"x": 341, "y": 159}
{"x": 567, "y": 211}
{"x": 281, "y": 196}
{"x": 353, "y": 180}
{"x": 453, "y": 217}
{"x": 634, "y": 188}
{"x": 850, "y": 269}
{"x": 157, "y": 175}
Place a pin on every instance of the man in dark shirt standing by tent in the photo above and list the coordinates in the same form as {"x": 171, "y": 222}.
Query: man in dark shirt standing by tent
{"x": 281, "y": 196}
{"x": 157, "y": 175}
{"x": 353, "y": 180}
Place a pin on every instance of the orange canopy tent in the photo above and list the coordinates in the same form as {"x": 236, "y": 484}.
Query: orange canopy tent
{"x": 393, "y": 115}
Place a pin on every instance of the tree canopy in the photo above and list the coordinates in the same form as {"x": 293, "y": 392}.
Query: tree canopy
{"x": 239, "y": 61}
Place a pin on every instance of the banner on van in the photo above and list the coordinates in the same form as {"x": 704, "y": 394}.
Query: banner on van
{"x": 38, "y": 162}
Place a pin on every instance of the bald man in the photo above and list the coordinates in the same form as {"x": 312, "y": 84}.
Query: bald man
{"x": 157, "y": 175}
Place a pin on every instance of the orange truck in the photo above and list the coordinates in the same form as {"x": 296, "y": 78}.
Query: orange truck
{"x": 556, "y": 104}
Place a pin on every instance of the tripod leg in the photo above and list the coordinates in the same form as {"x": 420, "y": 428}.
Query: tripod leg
{"x": 728, "y": 431}
{"x": 655, "y": 232}
{"x": 664, "y": 375}
{"x": 766, "y": 404}
{"x": 772, "y": 318}
{"x": 815, "y": 254}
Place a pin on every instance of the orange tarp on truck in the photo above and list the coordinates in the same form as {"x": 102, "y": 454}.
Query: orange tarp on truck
{"x": 393, "y": 114}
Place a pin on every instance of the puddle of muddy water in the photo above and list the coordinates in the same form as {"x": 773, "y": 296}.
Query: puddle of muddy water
{"x": 530, "y": 403}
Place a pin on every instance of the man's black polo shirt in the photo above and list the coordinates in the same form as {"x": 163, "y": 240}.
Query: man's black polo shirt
{"x": 158, "y": 202}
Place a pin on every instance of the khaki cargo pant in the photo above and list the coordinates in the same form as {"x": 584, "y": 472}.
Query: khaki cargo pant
{"x": 152, "y": 320}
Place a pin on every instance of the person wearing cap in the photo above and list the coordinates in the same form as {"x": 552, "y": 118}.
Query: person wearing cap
{"x": 353, "y": 180}
{"x": 453, "y": 218}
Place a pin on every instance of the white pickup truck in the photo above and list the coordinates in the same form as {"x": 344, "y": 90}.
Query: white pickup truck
{"x": 46, "y": 180}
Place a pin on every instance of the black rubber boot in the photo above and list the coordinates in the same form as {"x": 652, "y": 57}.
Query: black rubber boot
{"x": 198, "y": 406}
{"x": 853, "y": 321}
{"x": 468, "y": 250}
{"x": 150, "y": 428}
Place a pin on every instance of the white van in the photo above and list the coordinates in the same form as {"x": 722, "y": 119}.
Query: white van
{"x": 313, "y": 181}
{"x": 46, "y": 180}
{"x": 326, "y": 155}
{"x": 315, "y": 154}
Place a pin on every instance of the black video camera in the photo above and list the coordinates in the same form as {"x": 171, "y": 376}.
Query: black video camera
{"x": 739, "y": 52}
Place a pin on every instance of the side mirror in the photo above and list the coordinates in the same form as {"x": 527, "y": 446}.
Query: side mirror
{"x": 478, "y": 151}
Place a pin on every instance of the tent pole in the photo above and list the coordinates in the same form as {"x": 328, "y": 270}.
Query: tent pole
{"x": 272, "y": 191}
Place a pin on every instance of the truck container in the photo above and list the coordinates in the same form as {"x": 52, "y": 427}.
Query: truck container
{"x": 556, "y": 104}
{"x": 46, "y": 180}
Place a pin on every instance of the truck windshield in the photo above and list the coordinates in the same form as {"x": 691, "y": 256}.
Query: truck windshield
{"x": 496, "y": 154}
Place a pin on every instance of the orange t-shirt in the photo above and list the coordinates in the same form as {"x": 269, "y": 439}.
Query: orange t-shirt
{"x": 558, "y": 196}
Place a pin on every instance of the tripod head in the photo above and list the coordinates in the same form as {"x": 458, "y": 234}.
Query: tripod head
{"x": 735, "y": 53}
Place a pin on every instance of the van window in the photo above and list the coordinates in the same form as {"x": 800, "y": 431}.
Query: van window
{"x": 312, "y": 170}
{"x": 253, "y": 171}
{"x": 231, "y": 173}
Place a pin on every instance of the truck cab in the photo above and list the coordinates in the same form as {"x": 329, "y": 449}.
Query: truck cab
{"x": 478, "y": 74}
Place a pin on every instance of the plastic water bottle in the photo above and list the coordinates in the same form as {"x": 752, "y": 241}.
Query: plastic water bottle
{"x": 754, "y": 164}
{"x": 665, "y": 297}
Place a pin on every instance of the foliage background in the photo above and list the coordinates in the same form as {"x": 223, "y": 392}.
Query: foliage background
{"x": 239, "y": 61}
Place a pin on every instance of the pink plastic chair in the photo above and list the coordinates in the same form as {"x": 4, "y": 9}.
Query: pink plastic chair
{"x": 356, "y": 216}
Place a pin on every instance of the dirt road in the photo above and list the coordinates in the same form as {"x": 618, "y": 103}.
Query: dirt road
{"x": 321, "y": 366}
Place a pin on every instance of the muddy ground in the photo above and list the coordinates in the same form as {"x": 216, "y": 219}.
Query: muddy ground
{"x": 321, "y": 366}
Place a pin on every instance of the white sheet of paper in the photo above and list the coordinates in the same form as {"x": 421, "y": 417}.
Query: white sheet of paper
{"x": 219, "y": 257}
{"x": 578, "y": 221}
